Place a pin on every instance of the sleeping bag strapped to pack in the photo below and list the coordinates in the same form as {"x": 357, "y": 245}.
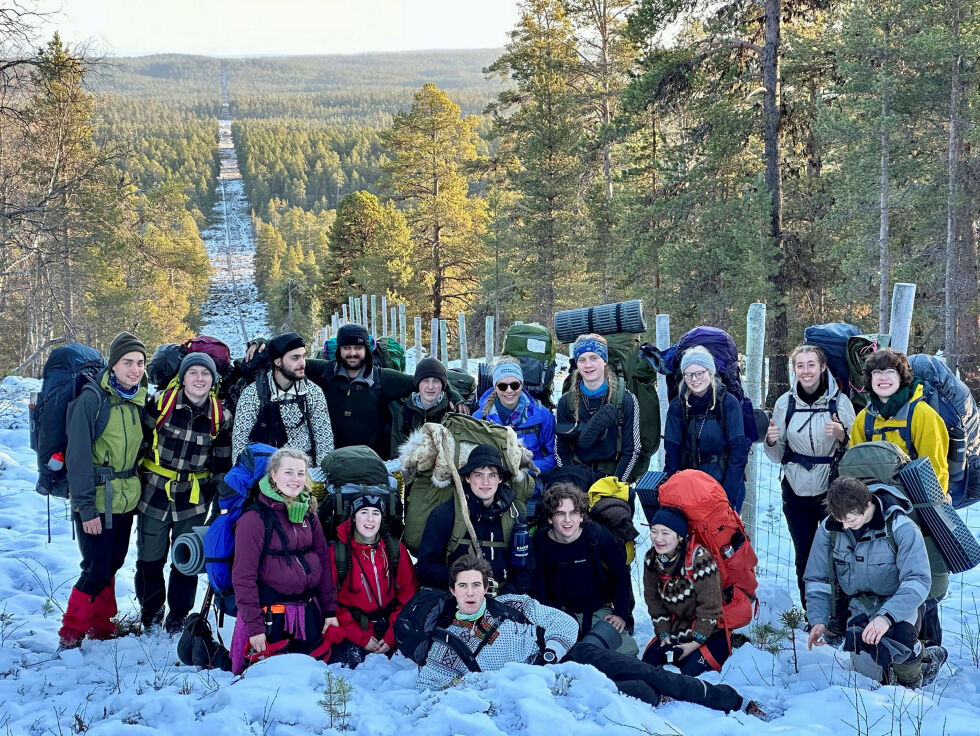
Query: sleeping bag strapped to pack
{"x": 67, "y": 371}
{"x": 611, "y": 504}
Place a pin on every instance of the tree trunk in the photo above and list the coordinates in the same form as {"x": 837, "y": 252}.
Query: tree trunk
{"x": 953, "y": 303}
{"x": 884, "y": 264}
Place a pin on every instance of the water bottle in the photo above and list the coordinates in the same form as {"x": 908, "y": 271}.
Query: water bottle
{"x": 520, "y": 544}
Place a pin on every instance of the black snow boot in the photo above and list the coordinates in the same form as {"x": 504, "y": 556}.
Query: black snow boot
{"x": 150, "y": 591}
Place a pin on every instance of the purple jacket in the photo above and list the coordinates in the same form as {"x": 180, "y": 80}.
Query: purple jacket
{"x": 276, "y": 571}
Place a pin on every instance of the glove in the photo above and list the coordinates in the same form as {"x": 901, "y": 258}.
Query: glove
{"x": 599, "y": 423}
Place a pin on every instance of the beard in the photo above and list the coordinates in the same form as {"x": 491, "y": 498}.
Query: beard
{"x": 353, "y": 362}
{"x": 290, "y": 375}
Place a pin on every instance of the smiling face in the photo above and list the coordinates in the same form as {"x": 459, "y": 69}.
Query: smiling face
{"x": 484, "y": 483}
{"x": 592, "y": 368}
{"x": 430, "y": 389}
{"x": 697, "y": 379}
{"x": 367, "y": 522}
{"x": 353, "y": 356}
{"x": 197, "y": 383}
{"x": 469, "y": 590}
{"x": 808, "y": 370}
{"x": 290, "y": 477}
{"x": 509, "y": 391}
{"x": 129, "y": 369}
{"x": 885, "y": 382}
{"x": 566, "y": 523}
{"x": 665, "y": 540}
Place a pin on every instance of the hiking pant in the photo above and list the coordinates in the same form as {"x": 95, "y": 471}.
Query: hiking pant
{"x": 649, "y": 683}
{"x": 154, "y": 539}
{"x": 102, "y": 554}
{"x": 932, "y": 628}
{"x": 898, "y": 645}
{"x": 803, "y": 516}
{"x": 710, "y": 656}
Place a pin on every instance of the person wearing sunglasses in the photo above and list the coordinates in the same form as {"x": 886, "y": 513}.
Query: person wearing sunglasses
{"x": 507, "y": 403}
{"x": 704, "y": 429}
{"x": 897, "y": 413}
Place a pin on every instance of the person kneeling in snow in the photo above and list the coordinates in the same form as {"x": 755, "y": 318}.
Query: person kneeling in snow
{"x": 486, "y": 635}
{"x": 880, "y": 562}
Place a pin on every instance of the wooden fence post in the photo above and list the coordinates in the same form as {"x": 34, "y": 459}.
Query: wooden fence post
{"x": 755, "y": 340}
{"x": 344, "y": 313}
{"x": 464, "y": 361}
{"x": 903, "y": 300}
{"x": 434, "y": 338}
{"x": 418, "y": 340}
{"x": 364, "y": 311}
{"x": 488, "y": 342}
{"x": 663, "y": 342}
{"x": 384, "y": 317}
{"x": 402, "y": 327}
{"x": 444, "y": 342}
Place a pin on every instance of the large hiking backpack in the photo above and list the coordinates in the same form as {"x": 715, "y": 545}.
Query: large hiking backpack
{"x": 236, "y": 490}
{"x": 847, "y": 350}
{"x": 534, "y": 347}
{"x": 386, "y": 352}
{"x": 715, "y": 525}
{"x": 165, "y": 362}
{"x": 952, "y": 400}
{"x": 351, "y": 472}
{"x": 425, "y": 618}
{"x": 68, "y": 370}
{"x": 611, "y": 504}
{"x": 859, "y": 349}
{"x": 468, "y": 432}
{"x": 722, "y": 347}
{"x": 465, "y": 385}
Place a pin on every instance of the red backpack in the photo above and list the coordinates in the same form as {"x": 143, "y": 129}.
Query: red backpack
{"x": 218, "y": 351}
{"x": 714, "y": 524}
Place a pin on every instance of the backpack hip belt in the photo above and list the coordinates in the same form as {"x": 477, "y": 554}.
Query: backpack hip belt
{"x": 808, "y": 461}
{"x": 104, "y": 475}
{"x": 178, "y": 475}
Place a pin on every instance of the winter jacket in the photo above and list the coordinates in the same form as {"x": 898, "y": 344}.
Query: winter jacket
{"x": 513, "y": 642}
{"x": 878, "y": 579}
{"x": 601, "y": 455}
{"x": 930, "y": 437}
{"x": 534, "y": 424}
{"x": 683, "y": 609}
{"x": 307, "y": 429}
{"x": 407, "y": 416}
{"x": 695, "y": 437}
{"x": 368, "y": 590}
{"x": 435, "y": 557}
{"x": 117, "y": 447}
{"x": 182, "y": 444}
{"x": 807, "y": 437}
{"x": 583, "y": 576}
{"x": 264, "y": 579}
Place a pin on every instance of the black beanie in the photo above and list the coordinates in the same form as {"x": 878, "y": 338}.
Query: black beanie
{"x": 352, "y": 334}
{"x": 279, "y": 346}
{"x": 124, "y": 342}
{"x": 431, "y": 368}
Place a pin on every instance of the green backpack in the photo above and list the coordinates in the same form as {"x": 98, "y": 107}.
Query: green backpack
{"x": 640, "y": 378}
{"x": 859, "y": 349}
{"x": 533, "y": 345}
{"x": 392, "y": 353}
{"x": 350, "y": 472}
{"x": 468, "y": 432}
{"x": 878, "y": 462}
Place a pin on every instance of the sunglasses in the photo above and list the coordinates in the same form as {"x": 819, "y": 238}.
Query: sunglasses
{"x": 509, "y": 386}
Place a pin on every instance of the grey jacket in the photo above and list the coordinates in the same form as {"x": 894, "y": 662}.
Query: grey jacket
{"x": 878, "y": 578}
{"x": 807, "y": 436}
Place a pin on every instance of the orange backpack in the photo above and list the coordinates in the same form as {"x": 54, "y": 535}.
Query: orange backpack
{"x": 713, "y": 523}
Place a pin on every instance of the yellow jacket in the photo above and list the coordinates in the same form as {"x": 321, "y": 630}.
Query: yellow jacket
{"x": 930, "y": 437}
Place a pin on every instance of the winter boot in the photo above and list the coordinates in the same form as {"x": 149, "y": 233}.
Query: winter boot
{"x": 907, "y": 674}
{"x": 150, "y": 592}
{"x": 181, "y": 591}
{"x": 102, "y": 625}
{"x": 79, "y": 614}
{"x": 210, "y": 655}
{"x": 933, "y": 658}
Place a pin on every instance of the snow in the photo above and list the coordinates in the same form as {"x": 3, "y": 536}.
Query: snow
{"x": 135, "y": 684}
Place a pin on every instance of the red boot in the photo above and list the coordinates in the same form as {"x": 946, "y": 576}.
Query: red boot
{"x": 101, "y": 625}
{"x": 78, "y": 618}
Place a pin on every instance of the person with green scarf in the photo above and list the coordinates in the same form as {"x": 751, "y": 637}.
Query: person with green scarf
{"x": 282, "y": 574}
{"x": 897, "y": 413}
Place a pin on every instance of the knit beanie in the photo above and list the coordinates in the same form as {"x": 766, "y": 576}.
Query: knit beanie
{"x": 507, "y": 369}
{"x": 698, "y": 356}
{"x": 671, "y": 518}
{"x": 590, "y": 344}
{"x": 351, "y": 334}
{"x": 431, "y": 368}
{"x": 377, "y": 501}
{"x": 192, "y": 359}
{"x": 279, "y": 346}
{"x": 124, "y": 342}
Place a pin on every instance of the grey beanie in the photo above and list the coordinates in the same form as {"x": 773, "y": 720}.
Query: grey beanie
{"x": 124, "y": 342}
{"x": 698, "y": 356}
{"x": 192, "y": 359}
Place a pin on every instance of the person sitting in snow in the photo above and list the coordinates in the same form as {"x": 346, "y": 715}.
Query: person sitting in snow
{"x": 517, "y": 628}
{"x": 880, "y": 562}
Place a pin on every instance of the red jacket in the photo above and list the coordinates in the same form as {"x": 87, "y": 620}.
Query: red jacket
{"x": 368, "y": 581}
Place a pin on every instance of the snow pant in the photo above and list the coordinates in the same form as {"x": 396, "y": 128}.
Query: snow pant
{"x": 628, "y": 645}
{"x": 709, "y": 656}
{"x": 92, "y": 602}
{"x": 932, "y": 628}
{"x": 650, "y": 684}
{"x": 154, "y": 539}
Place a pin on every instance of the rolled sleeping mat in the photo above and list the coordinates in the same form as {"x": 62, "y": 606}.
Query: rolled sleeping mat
{"x": 187, "y": 553}
{"x": 606, "y": 319}
{"x": 956, "y": 543}
{"x": 648, "y": 491}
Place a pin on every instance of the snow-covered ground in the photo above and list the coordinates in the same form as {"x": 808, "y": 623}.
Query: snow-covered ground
{"x": 136, "y": 685}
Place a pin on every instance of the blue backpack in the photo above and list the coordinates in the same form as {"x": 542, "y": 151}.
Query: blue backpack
{"x": 832, "y": 339}
{"x": 236, "y": 491}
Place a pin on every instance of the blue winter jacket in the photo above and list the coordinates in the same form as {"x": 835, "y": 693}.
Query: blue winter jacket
{"x": 696, "y": 438}
{"x": 534, "y": 424}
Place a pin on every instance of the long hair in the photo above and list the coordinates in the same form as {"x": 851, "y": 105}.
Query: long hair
{"x": 575, "y": 391}
{"x": 493, "y": 397}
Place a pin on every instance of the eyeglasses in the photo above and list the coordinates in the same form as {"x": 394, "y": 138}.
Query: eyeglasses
{"x": 509, "y": 386}
{"x": 886, "y": 373}
{"x": 694, "y": 375}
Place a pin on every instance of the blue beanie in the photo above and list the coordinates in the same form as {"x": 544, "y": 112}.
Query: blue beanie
{"x": 671, "y": 518}
{"x": 590, "y": 344}
{"x": 506, "y": 369}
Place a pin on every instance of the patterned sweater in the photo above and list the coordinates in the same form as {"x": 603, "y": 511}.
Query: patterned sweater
{"x": 683, "y": 609}
{"x": 512, "y": 642}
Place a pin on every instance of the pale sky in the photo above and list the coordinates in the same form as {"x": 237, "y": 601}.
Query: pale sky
{"x": 262, "y": 27}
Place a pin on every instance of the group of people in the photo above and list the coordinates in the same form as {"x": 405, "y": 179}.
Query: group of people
{"x": 160, "y": 461}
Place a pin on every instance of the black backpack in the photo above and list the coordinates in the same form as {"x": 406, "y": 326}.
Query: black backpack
{"x": 68, "y": 371}
{"x": 425, "y": 618}
{"x": 351, "y": 472}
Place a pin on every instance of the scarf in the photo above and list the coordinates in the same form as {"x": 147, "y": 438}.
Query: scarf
{"x": 512, "y": 417}
{"x": 891, "y": 407}
{"x": 126, "y": 393}
{"x": 601, "y": 391}
{"x": 809, "y": 398}
{"x": 296, "y": 508}
{"x": 476, "y": 616}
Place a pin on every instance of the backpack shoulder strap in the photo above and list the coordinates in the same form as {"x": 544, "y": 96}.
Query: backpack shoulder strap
{"x": 341, "y": 561}
{"x": 393, "y": 550}
{"x": 790, "y": 410}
